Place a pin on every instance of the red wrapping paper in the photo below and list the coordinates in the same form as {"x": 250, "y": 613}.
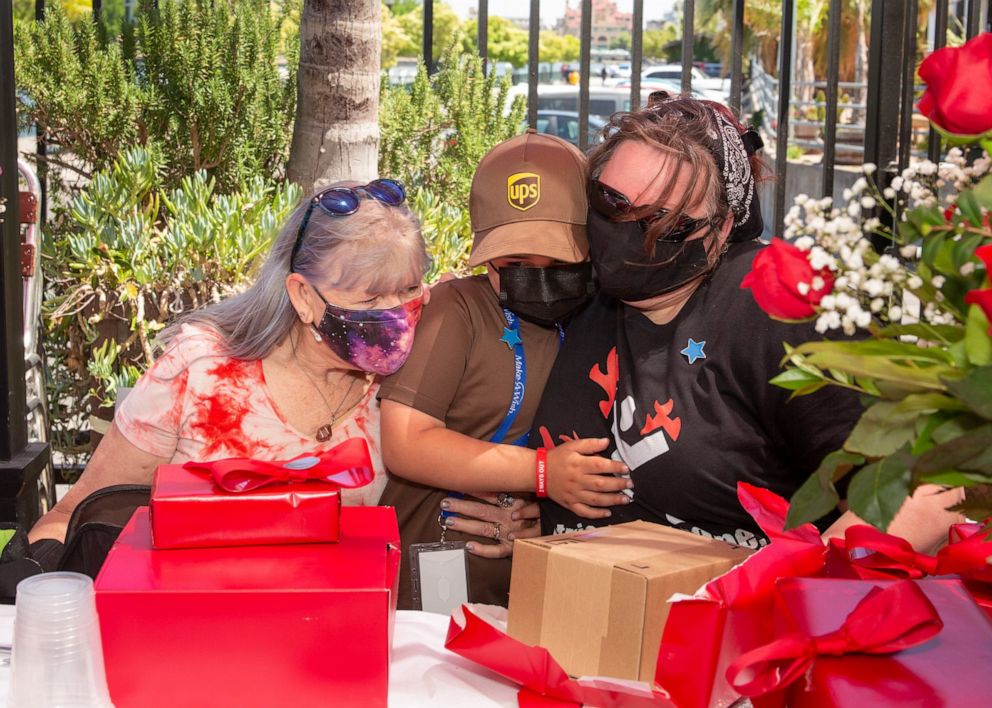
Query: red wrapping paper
{"x": 240, "y": 627}
{"x": 949, "y": 669}
{"x": 731, "y": 614}
{"x": 543, "y": 682}
{"x": 290, "y": 502}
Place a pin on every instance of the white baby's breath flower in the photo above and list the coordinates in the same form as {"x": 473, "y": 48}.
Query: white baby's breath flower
{"x": 863, "y": 319}
{"x": 915, "y": 282}
{"x": 804, "y": 243}
{"x": 803, "y": 288}
{"x": 818, "y": 283}
{"x": 828, "y": 302}
{"x": 873, "y": 286}
{"x": 968, "y": 268}
{"x": 938, "y": 281}
{"x": 848, "y": 195}
{"x": 869, "y": 168}
{"x": 889, "y": 193}
{"x": 908, "y": 251}
{"x": 876, "y": 305}
{"x": 868, "y": 202}
{"x": 854, "y": 209}
{"x": 897, "y": 183}
{"x": 895, "y": 313}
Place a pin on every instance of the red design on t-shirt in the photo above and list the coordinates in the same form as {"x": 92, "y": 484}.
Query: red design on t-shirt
{"x": 548, "y": 442}
{"x": 607, "y": 380}
{"x": 219, "y": 417}
{"x": 661, "y": 419}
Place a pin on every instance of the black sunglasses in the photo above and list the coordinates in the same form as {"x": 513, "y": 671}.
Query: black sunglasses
{"x": 344, "y": 201}
{"x": 615, "y": 206}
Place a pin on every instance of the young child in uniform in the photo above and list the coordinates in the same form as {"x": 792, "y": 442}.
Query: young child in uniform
{"x": 455, "y": 418}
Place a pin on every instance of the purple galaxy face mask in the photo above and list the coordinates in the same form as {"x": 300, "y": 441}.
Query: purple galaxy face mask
{"x": 378, "y": 341}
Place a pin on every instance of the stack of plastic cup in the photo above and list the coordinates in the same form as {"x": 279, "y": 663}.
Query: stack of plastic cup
{"x": 57, "y": 658}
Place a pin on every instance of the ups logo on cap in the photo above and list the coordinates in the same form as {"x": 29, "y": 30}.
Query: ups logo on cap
{"x": 523, "y": 190}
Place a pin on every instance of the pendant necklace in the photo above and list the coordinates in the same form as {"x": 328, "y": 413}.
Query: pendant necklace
{"x": 324, "y": 432}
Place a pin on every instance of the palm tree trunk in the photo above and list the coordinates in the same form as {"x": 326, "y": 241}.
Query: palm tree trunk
{"x": 336, "y": 134}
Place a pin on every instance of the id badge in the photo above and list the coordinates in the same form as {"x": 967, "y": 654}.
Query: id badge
{"x": 439, "y": 576}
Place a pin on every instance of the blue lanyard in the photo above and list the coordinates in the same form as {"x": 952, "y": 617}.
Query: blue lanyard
{"x": 519, "y": 387}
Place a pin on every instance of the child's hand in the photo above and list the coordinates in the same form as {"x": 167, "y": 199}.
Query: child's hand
{"x": 584, "y": 482}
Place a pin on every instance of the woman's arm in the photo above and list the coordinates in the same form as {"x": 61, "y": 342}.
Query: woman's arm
{"x": 420, "y": 448}
{"x": 115, "y": 461}
{"x": 923, "y": 519}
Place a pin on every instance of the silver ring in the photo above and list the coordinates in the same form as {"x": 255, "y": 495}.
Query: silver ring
{"x": 505, "y": 500}
{"x": 496, "y": 531}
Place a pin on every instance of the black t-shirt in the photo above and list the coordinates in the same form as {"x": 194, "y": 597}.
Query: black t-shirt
{"x": 690, "y": 407}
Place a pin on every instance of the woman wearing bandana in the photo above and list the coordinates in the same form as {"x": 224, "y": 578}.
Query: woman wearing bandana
{"x": 455, "y": 418}
{"x": 292, "y": 365}
{"x": 672, "y": 360}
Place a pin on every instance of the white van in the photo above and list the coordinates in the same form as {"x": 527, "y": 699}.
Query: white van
{"x": 603, "y": 101}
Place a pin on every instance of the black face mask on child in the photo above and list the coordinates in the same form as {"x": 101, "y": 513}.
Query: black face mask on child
{"x": 545, "y": 296}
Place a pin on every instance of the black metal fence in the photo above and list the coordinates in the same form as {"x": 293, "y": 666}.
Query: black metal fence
{"x": 887, "y": 142}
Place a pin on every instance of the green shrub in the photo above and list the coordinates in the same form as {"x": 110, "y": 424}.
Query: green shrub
{"x": 204, "y": 81}
{"x": 135, "y": 253}
{"x": 432, "y": 138}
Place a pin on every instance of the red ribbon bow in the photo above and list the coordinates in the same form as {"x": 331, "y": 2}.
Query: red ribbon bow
{"x": 347, "y": 465}
{"x": 885, "y": 621}
{"x": 891, "y": 556}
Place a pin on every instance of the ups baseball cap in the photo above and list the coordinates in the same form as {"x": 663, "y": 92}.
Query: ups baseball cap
{"x": 529, "y": 197}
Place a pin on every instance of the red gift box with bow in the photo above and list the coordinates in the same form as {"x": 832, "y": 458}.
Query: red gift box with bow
{"x": 870, "y": 643}
{"x": 239, "y": 502}
{"x": 732, "y": 614}
{"x": 280, "y": 625}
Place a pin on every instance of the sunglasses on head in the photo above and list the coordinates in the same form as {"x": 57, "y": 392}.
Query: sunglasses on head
{"x": 615, "y": 206}
{"x": 344, "y": 201}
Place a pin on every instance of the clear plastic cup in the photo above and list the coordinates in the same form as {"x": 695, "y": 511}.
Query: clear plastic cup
{"x": 57, "y": 657}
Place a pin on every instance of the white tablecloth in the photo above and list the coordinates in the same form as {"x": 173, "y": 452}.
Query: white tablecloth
{"x": 423, "y": 672}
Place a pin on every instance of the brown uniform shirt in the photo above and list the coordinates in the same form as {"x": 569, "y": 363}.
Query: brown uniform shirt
{"x": 462, "y": 374}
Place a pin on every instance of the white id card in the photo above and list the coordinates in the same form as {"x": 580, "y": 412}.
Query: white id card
{"x": 439, "y": 576}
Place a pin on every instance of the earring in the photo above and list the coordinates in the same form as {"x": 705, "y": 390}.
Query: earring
{"x": 316, "y": 334}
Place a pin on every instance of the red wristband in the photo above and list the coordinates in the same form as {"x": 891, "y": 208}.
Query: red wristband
{"x": 541, "y": 469}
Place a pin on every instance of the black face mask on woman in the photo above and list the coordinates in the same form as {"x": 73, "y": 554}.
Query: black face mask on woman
{"x": 624, "y": 272}
{"x": 545, "y": 296}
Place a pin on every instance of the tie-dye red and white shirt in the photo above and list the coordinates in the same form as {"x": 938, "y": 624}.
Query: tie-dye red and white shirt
{"x": 196, "y": 403}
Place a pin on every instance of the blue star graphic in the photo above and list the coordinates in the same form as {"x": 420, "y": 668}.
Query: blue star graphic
{"x": 511, "y": 337}
{"x": 693, "y": 350}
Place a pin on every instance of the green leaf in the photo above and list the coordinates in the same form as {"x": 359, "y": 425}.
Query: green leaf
{"x": 975, "y": 390}
{"x": 878, "y": 367}
{"x": 926, "y": 332}
{"x": 925, "y": 431}
{"x": 792, "y": 379}
{"x": 878, "y": 490}
{"x": 970, "y": 208}
{"x": 952, "y": 454}
{"x": 977, "y": 342}
{"x": 954, "y": 479}
{"x": 882, "y": 429}
{"x": 5, "y": 536}
{"x": 818, "y": 496}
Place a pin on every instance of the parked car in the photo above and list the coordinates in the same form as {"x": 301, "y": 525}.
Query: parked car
{"x": 715, "y": 89}
{"x": 604, "y": 101}
{"x": 673, "y": 87}
{"x": 565, "y": 124}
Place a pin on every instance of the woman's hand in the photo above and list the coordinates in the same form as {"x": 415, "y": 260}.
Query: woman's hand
{"x": 583, "y": 481}
{"x": 488, "y": 519}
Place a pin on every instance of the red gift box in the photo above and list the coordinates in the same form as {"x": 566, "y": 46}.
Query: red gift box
{"x": 944, "y": 665}
{"x": 251, "y": 502}
{"x": 299, "y": 625}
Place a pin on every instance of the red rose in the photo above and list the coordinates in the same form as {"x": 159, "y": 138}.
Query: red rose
{"x": 983, "y": 298}
{"x": 958, "y": 99}
{"x": 781, "y": 280}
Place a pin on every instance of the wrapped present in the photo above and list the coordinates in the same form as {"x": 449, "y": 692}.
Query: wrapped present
{"x": 477, "y": 633}
{"x": 239, "y": 502}
{"x": 870, "y": 643}
{"x": 297, "y": 625}
{"x": 732, "y": 614}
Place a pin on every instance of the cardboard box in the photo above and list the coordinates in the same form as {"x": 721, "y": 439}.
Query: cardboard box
{"x": 296, "y": 625}
{"x": 597, "y": 599}
{"x": 188, "y": 510}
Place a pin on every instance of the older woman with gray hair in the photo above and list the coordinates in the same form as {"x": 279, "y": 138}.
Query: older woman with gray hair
{"x": 288, "y": 367}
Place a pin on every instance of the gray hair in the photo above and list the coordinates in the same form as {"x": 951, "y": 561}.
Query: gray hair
{"x": 378, "y": 249}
